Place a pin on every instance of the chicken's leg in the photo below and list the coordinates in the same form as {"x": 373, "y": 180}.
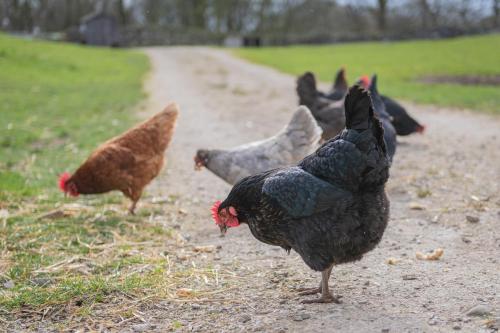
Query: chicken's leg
{"x": 309, "y": 291}
{"x": 134, "y": 197}
{"x": 313, "y": 291}
{"x": 326, "y": 296}
{"x": 131, "y": 210}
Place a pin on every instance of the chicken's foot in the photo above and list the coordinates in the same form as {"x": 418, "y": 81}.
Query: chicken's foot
{"x": 131, "y": 210}
{"x": 309, "y": 291}
{"x": 326, "y": 296}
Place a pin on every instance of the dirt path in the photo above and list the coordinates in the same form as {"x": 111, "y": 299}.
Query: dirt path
{"x": 437, "y": 179}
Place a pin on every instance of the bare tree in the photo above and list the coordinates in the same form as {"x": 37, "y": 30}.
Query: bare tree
{"x": 382, "y": 15}
{"x": 496, "y": 13}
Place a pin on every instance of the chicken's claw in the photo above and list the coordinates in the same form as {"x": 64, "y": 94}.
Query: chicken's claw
{"x": 328, "y": 298}
{"x": 309, "y": 291}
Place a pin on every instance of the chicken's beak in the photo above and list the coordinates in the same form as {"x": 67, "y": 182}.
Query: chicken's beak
{"x": 198, "y": 165}
{"x": 223, "y": 229}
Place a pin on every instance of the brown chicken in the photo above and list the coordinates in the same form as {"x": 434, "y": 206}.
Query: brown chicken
{"x": 126, "y": 163}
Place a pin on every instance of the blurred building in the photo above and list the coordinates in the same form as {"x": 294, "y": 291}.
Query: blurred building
{"x": 239, "y": 41}
{"x": 100, "y": 29}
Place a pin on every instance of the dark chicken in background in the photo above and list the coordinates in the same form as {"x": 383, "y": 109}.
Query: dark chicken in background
{"x": 329, "y": 114}
{"x": 339, "y": 87}
{"x": 403, "y": 123}
{"x": 401, "y": 120}
{"x": 331, "y": 208}
{"x": 385, "y": 118}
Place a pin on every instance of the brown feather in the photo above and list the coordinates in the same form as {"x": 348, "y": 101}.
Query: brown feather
{"x": 130, "y": 161}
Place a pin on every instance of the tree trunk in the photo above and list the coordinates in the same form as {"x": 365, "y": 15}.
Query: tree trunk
{"x": 496, "y": 13}
{"x": 382, "y": 15}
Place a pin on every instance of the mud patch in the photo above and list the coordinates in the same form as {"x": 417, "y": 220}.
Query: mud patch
{"x": 468, "y": 80}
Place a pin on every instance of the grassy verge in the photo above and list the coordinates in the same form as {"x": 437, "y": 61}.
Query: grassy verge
{"x": 400, "y": 66}
{"x": 64, "y": 259}
{"x": 57, "y": 103}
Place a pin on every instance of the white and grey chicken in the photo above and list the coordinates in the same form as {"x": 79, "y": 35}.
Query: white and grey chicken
{"x": 298, "y": 139}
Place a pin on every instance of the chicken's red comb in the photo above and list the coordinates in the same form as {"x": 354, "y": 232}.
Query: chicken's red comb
{"x": 215, "y": 212}
{"x": 63, "y": 178}
{"x": 421, "y": 129}
{"x": 365, "y": 81}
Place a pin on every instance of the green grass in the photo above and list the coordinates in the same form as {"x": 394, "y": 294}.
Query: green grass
{"x": 57, "y": 102}
{"x": 399, "y": 66}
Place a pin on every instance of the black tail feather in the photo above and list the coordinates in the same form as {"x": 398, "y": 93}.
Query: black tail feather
{"x": 358, "y": 108}
{"x": 373, "y": 84}
{"x": 306, "y": 89}
{"x": 340, "y": 83}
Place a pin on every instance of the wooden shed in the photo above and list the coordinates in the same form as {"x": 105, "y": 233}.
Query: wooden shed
{"x": 100, "y": 29}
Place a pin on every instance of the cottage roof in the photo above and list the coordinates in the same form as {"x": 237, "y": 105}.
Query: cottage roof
{"x": 96, "y": 15}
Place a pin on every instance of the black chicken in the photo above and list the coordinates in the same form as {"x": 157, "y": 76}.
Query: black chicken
{"x": 385, "y": 118}
{"x": 339, "y": 87}
{"x": 402, "y": 121}
{"x": 331, "y": 208}
{"x": 329, "y": 114}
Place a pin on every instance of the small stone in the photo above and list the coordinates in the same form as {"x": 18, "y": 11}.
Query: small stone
{"x": 472, "y": 219}
{"x": 407, "y": 277}
{"x": 385, "y": 330}
{"x": 245, "y": 318}
{"x": 457, "y": 327}
{"x": 479, "y": 310}
{"x": 301, "y": 317}
{"x": 8, "y": 284}
{"x": 432, "y": 322}
{"x": 142, "y": 327}
{"x": 195, "y": 306}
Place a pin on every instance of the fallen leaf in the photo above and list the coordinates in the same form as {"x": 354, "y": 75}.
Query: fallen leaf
{"x": 159, "y": 200}
{"x": 434, "y": 255}
{"x": 184, "y": 292}
{"x": 416, "y": 206}
{"x": 475, "y": 198}
{"x": 205, "y": 249}
{"x": 55, "y": 214}
{"x": 392, "y": 261}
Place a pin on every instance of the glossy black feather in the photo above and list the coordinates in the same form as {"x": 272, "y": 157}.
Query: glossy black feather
{"x": 301, "y": 194}
{"x": 332, "y": 207}
{"x": 385, "y": 118}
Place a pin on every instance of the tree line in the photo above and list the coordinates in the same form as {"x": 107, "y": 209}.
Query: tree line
{"x": 274, "y": 21}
